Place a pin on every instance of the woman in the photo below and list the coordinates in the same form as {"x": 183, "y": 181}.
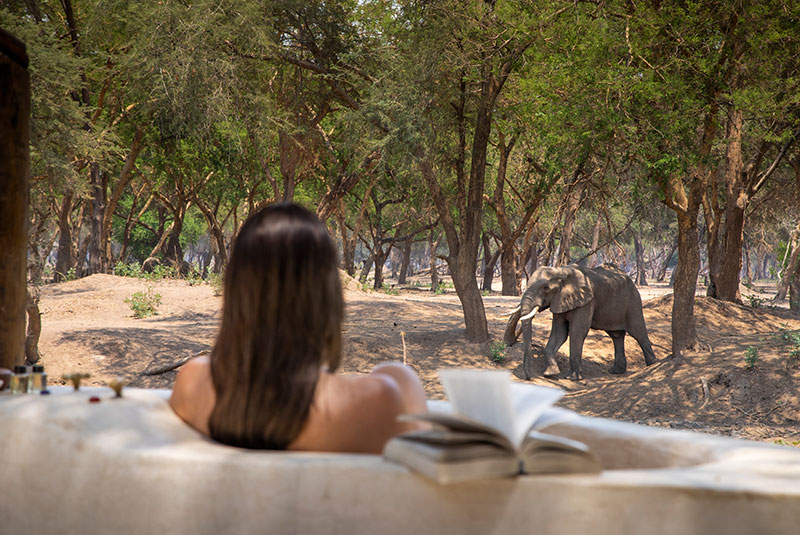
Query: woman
{"x": 269, "y": 382}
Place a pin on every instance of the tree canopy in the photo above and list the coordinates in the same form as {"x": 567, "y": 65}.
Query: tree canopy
{"x": 661, "y": 136}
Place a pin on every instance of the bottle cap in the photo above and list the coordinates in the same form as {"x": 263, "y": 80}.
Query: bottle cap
{"x": 20, "y": 369}
{"x": 38, "y": 368}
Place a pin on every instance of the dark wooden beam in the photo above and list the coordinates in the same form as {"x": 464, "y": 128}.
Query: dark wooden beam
{"x": 14, "y": 172}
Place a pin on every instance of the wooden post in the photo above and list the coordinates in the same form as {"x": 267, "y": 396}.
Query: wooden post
{"x": 14, "y": 171}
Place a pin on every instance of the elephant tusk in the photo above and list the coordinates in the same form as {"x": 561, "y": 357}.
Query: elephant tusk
{"x": 511, "y": 312}
{"x": 530, "y": 315}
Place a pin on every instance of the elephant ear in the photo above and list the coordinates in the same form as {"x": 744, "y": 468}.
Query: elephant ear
{"x": 576, "y": 291}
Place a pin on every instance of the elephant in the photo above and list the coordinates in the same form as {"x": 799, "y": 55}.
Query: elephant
{"x": 602, "y": 298}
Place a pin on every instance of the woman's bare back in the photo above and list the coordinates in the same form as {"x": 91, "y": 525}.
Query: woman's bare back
{"x": 349, "y": 413}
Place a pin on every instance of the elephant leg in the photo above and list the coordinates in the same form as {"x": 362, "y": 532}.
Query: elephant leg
{"x": 638, "y": 330}
{"x": 577, "y": 335}
{"x": 620, "y": 362}
{"x": 558, "y": 335}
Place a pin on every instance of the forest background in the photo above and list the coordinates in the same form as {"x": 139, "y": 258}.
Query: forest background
{"x": 485, "y": 136}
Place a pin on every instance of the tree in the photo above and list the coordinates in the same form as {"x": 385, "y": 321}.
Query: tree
{"x": 470, "y": 58}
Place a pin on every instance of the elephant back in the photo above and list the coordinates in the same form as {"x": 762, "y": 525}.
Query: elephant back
{"x": 610, "y": 277}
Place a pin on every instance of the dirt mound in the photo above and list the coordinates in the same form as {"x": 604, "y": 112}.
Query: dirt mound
{"x": 88, "y": 326}
{"x": 349, "y": 283}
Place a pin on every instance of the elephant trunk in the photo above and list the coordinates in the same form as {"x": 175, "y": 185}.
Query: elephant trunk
{"x": 524, "y": 312}
{"x": 527, "y": 351}
{"x": 510, "y": 336}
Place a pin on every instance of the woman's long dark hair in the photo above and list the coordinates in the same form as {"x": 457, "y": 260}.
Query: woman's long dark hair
{"x": 281, "y": 321}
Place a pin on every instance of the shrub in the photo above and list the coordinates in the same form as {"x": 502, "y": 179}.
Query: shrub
{"x": 194, "y": 277}
{"x": 216, "y": 281}
{"x": 497, "y": 352}
{"x": 793, "y": 339}
{"x": 128, "y": 270}
{"x": 70, "y": 275}
{"x": 161, "y": 271}
{"x": 144, "y": 304}
{"x": 754, "y": 301}
{"x": 750, "y": 357}
{"x": 389, "y": 290}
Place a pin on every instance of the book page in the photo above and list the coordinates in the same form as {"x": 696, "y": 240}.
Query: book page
{"x": 530, "y": 402}
{"x": 482, "y": 395}
{"x": 491, "y": 398}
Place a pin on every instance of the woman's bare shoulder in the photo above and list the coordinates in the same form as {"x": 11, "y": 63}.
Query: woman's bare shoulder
{"x": 358, "y": 413}
{"x": 193, "y": 393}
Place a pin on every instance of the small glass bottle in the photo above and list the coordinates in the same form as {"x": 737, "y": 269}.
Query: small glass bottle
{"x": 20, "y": 380}
{"x": 38, "y": 379}
{"x": 29, "y": 369}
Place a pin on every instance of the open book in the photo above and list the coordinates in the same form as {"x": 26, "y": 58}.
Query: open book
{"x": 492, "y": 432}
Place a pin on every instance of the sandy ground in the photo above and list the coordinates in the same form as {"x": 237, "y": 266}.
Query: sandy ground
{"x": 88, "y": 327}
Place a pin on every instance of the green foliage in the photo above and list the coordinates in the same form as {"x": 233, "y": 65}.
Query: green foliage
{"x": 135, "y": 270}
{"x": 144, "y": 304}
{"x": 750, "y": 357}
{"x": 217, "y": 282}
{"x": 195, "y": 276}
{"x": 70, "y": 275}
{"x": 160, "y": 271}
{"x": 754, "y": 301}
{"x": 389, "y": 290}
{"x": 497, "y": 352}
{"x": 792, "y": 339}
{"x": 793, "y": 443}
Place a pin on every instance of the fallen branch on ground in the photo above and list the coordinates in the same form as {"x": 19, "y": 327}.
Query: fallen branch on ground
{"x": 173, "y": 365}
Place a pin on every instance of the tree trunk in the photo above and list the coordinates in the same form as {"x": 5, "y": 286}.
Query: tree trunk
{"x": 641, "y": 277}
{"x": 746, "y": 263}
{"x": 794, "y": 290}
{"x": 726, "y": 234}
{"x": 573, "y": 200}
{"x": 365, "y": 269}
{"x": 289, "y": 160}
{"x": 592, "y": 262}
{"x": 489, "y": 262}
{"x": 64, "y": 256}
{"x": 792, "y": 268}
{"x": 14, "y": 172}
{"x": 96, "y": 247}
{"x": 216, "y": 233}
{"x": 684, "y": 330}
{"x": 508, "y": 270}
{"x": 379, "y": 257}
{"x": 466, "y": 286}
{"x": 348, "y": 263}
{"x": 662, "y": 271}
{"x": 173, "y": 252}
{"x": 405, "y": 261}
{"x": 433, "y": 245}
{"x": 34, "y": 329}
{"x": 111, "y": 206}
